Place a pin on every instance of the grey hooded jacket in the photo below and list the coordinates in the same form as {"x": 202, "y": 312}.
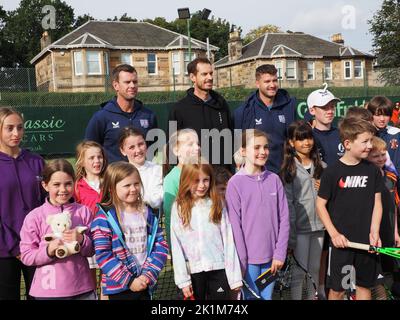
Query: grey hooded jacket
{"x": 301, "y": 195}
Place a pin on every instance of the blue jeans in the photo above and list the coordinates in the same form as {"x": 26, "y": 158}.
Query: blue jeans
{"x": 252, "y": 273}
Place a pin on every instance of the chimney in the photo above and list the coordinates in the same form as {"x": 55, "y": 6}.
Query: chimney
{"x": 235, "y": 44}
{"x": 337, "y": 38}
{"x": 45, "y": 40}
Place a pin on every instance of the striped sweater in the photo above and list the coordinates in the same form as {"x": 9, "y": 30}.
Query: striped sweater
{"x": 118, "y": 266}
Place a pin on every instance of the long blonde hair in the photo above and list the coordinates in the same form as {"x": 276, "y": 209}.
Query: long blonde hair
{"x": 115, "y": 173}
{"x": 81, "y": 149}
{"x": 5, "y": 112}
{"x": 185, "y": 200}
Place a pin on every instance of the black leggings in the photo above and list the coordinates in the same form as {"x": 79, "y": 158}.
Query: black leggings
{"x": 10, "y": 278}
{"x": 211, "y": 285}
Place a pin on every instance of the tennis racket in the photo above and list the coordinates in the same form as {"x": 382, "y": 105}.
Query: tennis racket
{"x": 380, "y": 292}
{"x": 392, "y": 252}
{"x": 295, "y": 282}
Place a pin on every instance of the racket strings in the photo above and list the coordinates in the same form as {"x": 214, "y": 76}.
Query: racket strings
{"x": 393, "y": 252}
{"x": 294, "y": 282}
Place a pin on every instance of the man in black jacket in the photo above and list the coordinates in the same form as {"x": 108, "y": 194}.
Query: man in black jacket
{"x": 203, "y": 110}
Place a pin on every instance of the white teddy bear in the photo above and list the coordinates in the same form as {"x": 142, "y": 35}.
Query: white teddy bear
{"x": 59, "y": 223}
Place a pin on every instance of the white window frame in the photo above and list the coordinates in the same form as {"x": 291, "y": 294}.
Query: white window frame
{"x": 88, "y": 53}
{"x": 76, "y": 53}
{"x": 176, "y": 64}
{"x": 155, "y": 64}
{"x": 361, "y": 69}
{"x": 312, "y": 63}
{"x": 125, "y": 54}
{"x": 347, "y": 68}
{"x": 186, "y": 61}
{"x": 328, "y": 68}
{"x": 294, "y": 67}
{"x": 279, "y": 66}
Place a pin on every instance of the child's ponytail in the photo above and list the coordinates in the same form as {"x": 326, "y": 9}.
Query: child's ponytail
{"x": 288, "y": 169}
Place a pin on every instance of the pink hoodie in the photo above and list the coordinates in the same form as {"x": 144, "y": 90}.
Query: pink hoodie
{"x": 55, "y": 277}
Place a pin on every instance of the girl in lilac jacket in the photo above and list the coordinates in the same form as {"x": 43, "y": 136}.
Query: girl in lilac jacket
{"x": 58, "y": 278}
{"x": 258, "y": 211}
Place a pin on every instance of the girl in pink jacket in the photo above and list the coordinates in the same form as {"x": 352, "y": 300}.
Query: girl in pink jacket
{"x": 56, "y": 277}
{"x": 91, "y": 163}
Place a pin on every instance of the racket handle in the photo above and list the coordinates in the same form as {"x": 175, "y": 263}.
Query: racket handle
{"x": 360, "y": 246}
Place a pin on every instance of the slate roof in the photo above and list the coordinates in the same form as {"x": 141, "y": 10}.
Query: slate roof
{"x": 124, "y": 35}
{"x": 292, "y": 45}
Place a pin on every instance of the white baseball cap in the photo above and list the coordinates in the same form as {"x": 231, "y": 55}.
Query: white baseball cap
{"x": 320, "y": 98}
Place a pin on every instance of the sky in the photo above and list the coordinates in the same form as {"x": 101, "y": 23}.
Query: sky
{"x": 319, "y": 18}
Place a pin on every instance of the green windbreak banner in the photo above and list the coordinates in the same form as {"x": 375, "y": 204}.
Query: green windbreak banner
{"x": 57, "y": 130}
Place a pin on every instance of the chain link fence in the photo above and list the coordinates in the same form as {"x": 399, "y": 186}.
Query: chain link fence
{"x": 18, "y": 88}
{"x": 17, "y": 80}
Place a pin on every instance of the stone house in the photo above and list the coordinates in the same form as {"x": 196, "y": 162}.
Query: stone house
{"x": 82, "y": 60}
{"x": 302, "y": 60}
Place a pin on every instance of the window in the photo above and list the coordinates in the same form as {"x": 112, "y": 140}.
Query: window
{"x": 347, "y": 69}
{"x": 310, "y": 70}
{"x": 152, "y": 63}
{"x": 328, "y": 70}
{"x": 78, "y": 63}
{"x": 187, "y": 60}
{"x": 291, "y": 70}
{"x": 278, "y": 66}
{"x": 93, "y": 62}
{"x": 176, "y": 62}
{"x": 358, "y": 69}
{"x": 126, "y": 58}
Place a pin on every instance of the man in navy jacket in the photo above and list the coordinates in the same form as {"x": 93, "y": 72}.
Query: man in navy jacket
{"x": 121, "y": 111}
{"x": 269, "y": 109}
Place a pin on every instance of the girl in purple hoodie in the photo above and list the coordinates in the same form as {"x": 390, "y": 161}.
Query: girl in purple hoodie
{"x": 258, "y": 211}
{"x": 20, "y": 192}
{"x": 58, "y": 278}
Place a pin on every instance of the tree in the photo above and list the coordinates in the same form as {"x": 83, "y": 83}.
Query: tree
{"x": 385, "y": 27}
{"x": 25, "y": 26}
{"x": 6, "y": 47}
{"x": 80, "y": 20}
{"x": 161, "y": 22}
{"x": 124, "y": 17}
{"x": 215, "y": 29}
{"x": 253, "y": 34}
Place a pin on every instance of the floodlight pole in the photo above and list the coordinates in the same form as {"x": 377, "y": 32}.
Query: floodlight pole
{"x": 184, "y": 13}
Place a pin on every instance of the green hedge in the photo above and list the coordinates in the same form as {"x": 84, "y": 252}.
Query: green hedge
{"x": 236, "y": 94}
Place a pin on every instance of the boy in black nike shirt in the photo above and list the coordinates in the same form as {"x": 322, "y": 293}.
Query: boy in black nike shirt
{"x": 349, "y": 205}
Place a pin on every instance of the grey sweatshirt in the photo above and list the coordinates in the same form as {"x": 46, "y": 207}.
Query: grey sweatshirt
{"x": 301, "y": 195}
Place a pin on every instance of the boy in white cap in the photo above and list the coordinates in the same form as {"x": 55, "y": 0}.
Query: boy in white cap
{"x": 322, "y": 104}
